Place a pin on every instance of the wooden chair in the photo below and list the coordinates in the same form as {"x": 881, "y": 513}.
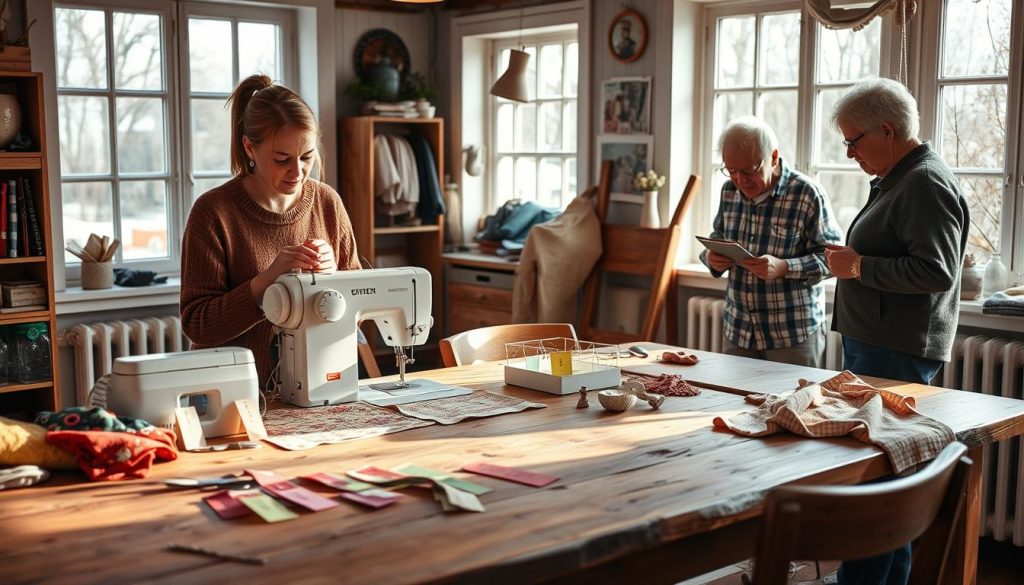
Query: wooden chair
{"x": 854, "y": 522}
{"x": 369, "y": 360}
{"x": 488, "y": 343}
{"x": 637, "y": 251}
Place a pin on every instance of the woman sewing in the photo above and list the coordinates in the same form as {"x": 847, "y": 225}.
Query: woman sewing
{"x": 270, "y": 219}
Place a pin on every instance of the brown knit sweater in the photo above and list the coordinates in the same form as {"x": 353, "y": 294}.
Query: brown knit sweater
{"x": 230, "y": 239}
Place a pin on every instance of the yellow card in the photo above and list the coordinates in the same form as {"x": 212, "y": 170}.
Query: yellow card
{"x": 189, "y": 428}
{"x": 249, "y": 414}
{"x": 561, "y": 363}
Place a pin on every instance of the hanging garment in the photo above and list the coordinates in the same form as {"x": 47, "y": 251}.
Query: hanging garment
{"x": 430, "y": 197}
{"x": 555, "y": 262}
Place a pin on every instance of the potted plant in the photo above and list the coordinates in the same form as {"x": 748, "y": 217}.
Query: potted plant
{"x": 417, "y": 87}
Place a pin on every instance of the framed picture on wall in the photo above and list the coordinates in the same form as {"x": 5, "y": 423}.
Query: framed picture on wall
{"x": 626, "y": 105}
{"x": 629, "y": 155}
{"x": 627, "y": 36}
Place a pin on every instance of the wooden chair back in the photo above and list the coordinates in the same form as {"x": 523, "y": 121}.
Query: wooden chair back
{"x": 488, "y": 343}
{"x": 854, "y": 522}
{"x": 369, "y": 360}
{"x": 636, "y": 251}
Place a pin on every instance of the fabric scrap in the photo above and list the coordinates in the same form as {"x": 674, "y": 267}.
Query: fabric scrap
{"x": 296, "y": 428}
{"x": 24, "y": 443}
{"x": 448, "y": 411}
{"x": 108, "y": 456}
{"x": 89, "y": 418}
{"x": 680, "y": 357}
{"x": 846, "y": 405}
{"x": 664, "y": 384}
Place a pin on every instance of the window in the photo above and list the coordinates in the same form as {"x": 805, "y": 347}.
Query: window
{"x": 970, "y": 91}
{"x": 534, "y": 144}
{"x": 759, "y": 67}
{"x": 129, "y": 134}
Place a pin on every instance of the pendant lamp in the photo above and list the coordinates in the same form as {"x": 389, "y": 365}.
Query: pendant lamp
{"x": 512, "y": 84}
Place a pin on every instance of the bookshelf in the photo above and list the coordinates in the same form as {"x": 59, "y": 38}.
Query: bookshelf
{"x": 23, "y": 400}
{"x": 384, "y": 246}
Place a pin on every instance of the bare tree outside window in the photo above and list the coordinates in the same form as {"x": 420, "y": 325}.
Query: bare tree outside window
{"x": 972, "y": 125}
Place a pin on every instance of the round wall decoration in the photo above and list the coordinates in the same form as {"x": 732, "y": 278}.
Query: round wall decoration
{"x": 376, "y": 46}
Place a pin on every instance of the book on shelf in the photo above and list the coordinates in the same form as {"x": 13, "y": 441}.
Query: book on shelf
{"x": 22, "y": 309}
{"x": 3, "y": 219}
{"x": 12, "y": 218}
{"x": 22, "y": 222}
{"x": 35, "y": 232}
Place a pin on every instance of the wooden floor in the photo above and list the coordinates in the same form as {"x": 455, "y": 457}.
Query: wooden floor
{"x": 999, "y": 563}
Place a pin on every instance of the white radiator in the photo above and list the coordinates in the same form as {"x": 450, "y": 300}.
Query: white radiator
{"x": 704, "y": 330}
{"x": 995, "y": 366}
{"x": 96, "y": 345}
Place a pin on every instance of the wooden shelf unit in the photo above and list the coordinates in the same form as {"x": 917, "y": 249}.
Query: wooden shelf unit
{"x": 422, "y": 245}
{"x": 23, "y": 400}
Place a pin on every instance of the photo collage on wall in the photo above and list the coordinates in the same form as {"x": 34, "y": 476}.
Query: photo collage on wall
{"x": 626, "y": 137}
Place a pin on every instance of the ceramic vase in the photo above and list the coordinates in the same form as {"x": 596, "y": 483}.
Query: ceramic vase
{"x": 10, "y": 119}
{"x": 970, "y": 282}
{"x": 649, "y": 215}
{"x": 386, "y": 78}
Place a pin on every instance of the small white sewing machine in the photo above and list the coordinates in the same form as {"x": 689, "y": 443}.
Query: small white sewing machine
{"x": 151, "y": 386}
{"x": 318, "y": 313}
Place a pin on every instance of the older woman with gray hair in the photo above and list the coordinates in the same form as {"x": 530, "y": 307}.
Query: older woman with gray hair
{"x": 897, "y": 299}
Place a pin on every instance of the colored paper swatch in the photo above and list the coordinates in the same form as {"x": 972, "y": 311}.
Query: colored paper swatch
{"x": 513, "y": 474}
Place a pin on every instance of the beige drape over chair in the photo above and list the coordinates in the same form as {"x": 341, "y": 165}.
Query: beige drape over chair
{"x": 556, "y": 259}
{"x": 636, "y": 251}
{"x": 854, "y": 522}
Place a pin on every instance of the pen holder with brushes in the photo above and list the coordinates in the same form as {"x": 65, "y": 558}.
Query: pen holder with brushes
{"x": 96, "y": 256}
{"x": 97, "y": 275}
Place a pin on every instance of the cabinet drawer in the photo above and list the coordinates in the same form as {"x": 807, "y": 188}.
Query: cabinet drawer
{"x": 464, "y": 317}
{"x": 485, "y": 296}
{"x": 481, "y": 277}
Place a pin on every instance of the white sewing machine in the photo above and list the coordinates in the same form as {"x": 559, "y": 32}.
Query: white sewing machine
{"x": 318, "y": 315}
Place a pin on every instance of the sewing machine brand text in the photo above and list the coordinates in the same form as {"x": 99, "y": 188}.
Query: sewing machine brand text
{"x": 364, "y": 291}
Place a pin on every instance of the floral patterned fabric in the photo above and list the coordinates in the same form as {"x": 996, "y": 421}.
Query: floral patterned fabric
{"x": 86, "y": 418}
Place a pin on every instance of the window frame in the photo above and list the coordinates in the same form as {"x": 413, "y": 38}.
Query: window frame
{"x": 931, "y": 83}
{"x": 174, "y": 36}
{"x": 807, "y": 87}
{"x": 289, "y": 66}
{"x": 164, "y": 9}
{"x": 496, "y": 46}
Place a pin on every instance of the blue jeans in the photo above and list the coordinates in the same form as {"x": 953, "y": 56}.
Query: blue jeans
{"x": 892, "y": 568}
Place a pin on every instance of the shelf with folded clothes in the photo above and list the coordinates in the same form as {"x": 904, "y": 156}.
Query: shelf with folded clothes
{"x": 390, "y": 171}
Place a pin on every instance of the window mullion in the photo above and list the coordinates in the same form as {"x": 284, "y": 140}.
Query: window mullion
{"x": 806, "y": 97}
{"x": 115, "y": 187}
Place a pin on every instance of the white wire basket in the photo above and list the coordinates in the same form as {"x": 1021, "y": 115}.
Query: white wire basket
{"x": 561, "y": 365}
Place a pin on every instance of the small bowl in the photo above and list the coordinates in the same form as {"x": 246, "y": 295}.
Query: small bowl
{"x": 616, "y": 400}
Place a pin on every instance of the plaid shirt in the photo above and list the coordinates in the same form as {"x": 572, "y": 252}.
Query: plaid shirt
{"x": 793, "y": 223}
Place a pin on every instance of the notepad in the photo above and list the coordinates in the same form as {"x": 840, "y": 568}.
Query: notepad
{"x": 728, "y": 248}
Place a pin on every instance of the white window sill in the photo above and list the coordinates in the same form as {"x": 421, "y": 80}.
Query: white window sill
{"x": 78, "y": 300}
{"x": 696, "y": 275}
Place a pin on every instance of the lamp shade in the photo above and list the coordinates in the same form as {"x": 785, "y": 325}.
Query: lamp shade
{"x": 512, "y": 84}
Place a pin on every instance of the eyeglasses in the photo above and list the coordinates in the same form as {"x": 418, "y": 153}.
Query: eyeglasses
{"x": 748, "y": 173}
{"x": 852, "y": 144}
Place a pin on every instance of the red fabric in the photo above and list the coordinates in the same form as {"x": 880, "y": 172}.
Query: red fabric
{"x": 104, "y": 455}
{"x": 679, "y": 357}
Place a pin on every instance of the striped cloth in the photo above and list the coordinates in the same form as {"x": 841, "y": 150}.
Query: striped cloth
{"x": 794, "y": 223}
{"x": 846, "y": 405}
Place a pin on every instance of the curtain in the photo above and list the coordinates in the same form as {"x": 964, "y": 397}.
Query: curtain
{"x": 858, "y": 18}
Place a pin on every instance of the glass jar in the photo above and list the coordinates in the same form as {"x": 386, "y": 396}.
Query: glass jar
{"x": 31, "y": 348}
{"x": 5, "y": 357}
{"x": 996, "y": 278}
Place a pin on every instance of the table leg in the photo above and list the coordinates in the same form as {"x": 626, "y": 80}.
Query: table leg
{"x": 962, "y": 568}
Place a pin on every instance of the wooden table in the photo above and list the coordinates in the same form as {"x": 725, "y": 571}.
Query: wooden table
{"x": 644, "y": 496}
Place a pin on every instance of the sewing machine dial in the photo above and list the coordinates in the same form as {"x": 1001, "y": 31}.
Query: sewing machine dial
{"x": 330, "y": 305}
